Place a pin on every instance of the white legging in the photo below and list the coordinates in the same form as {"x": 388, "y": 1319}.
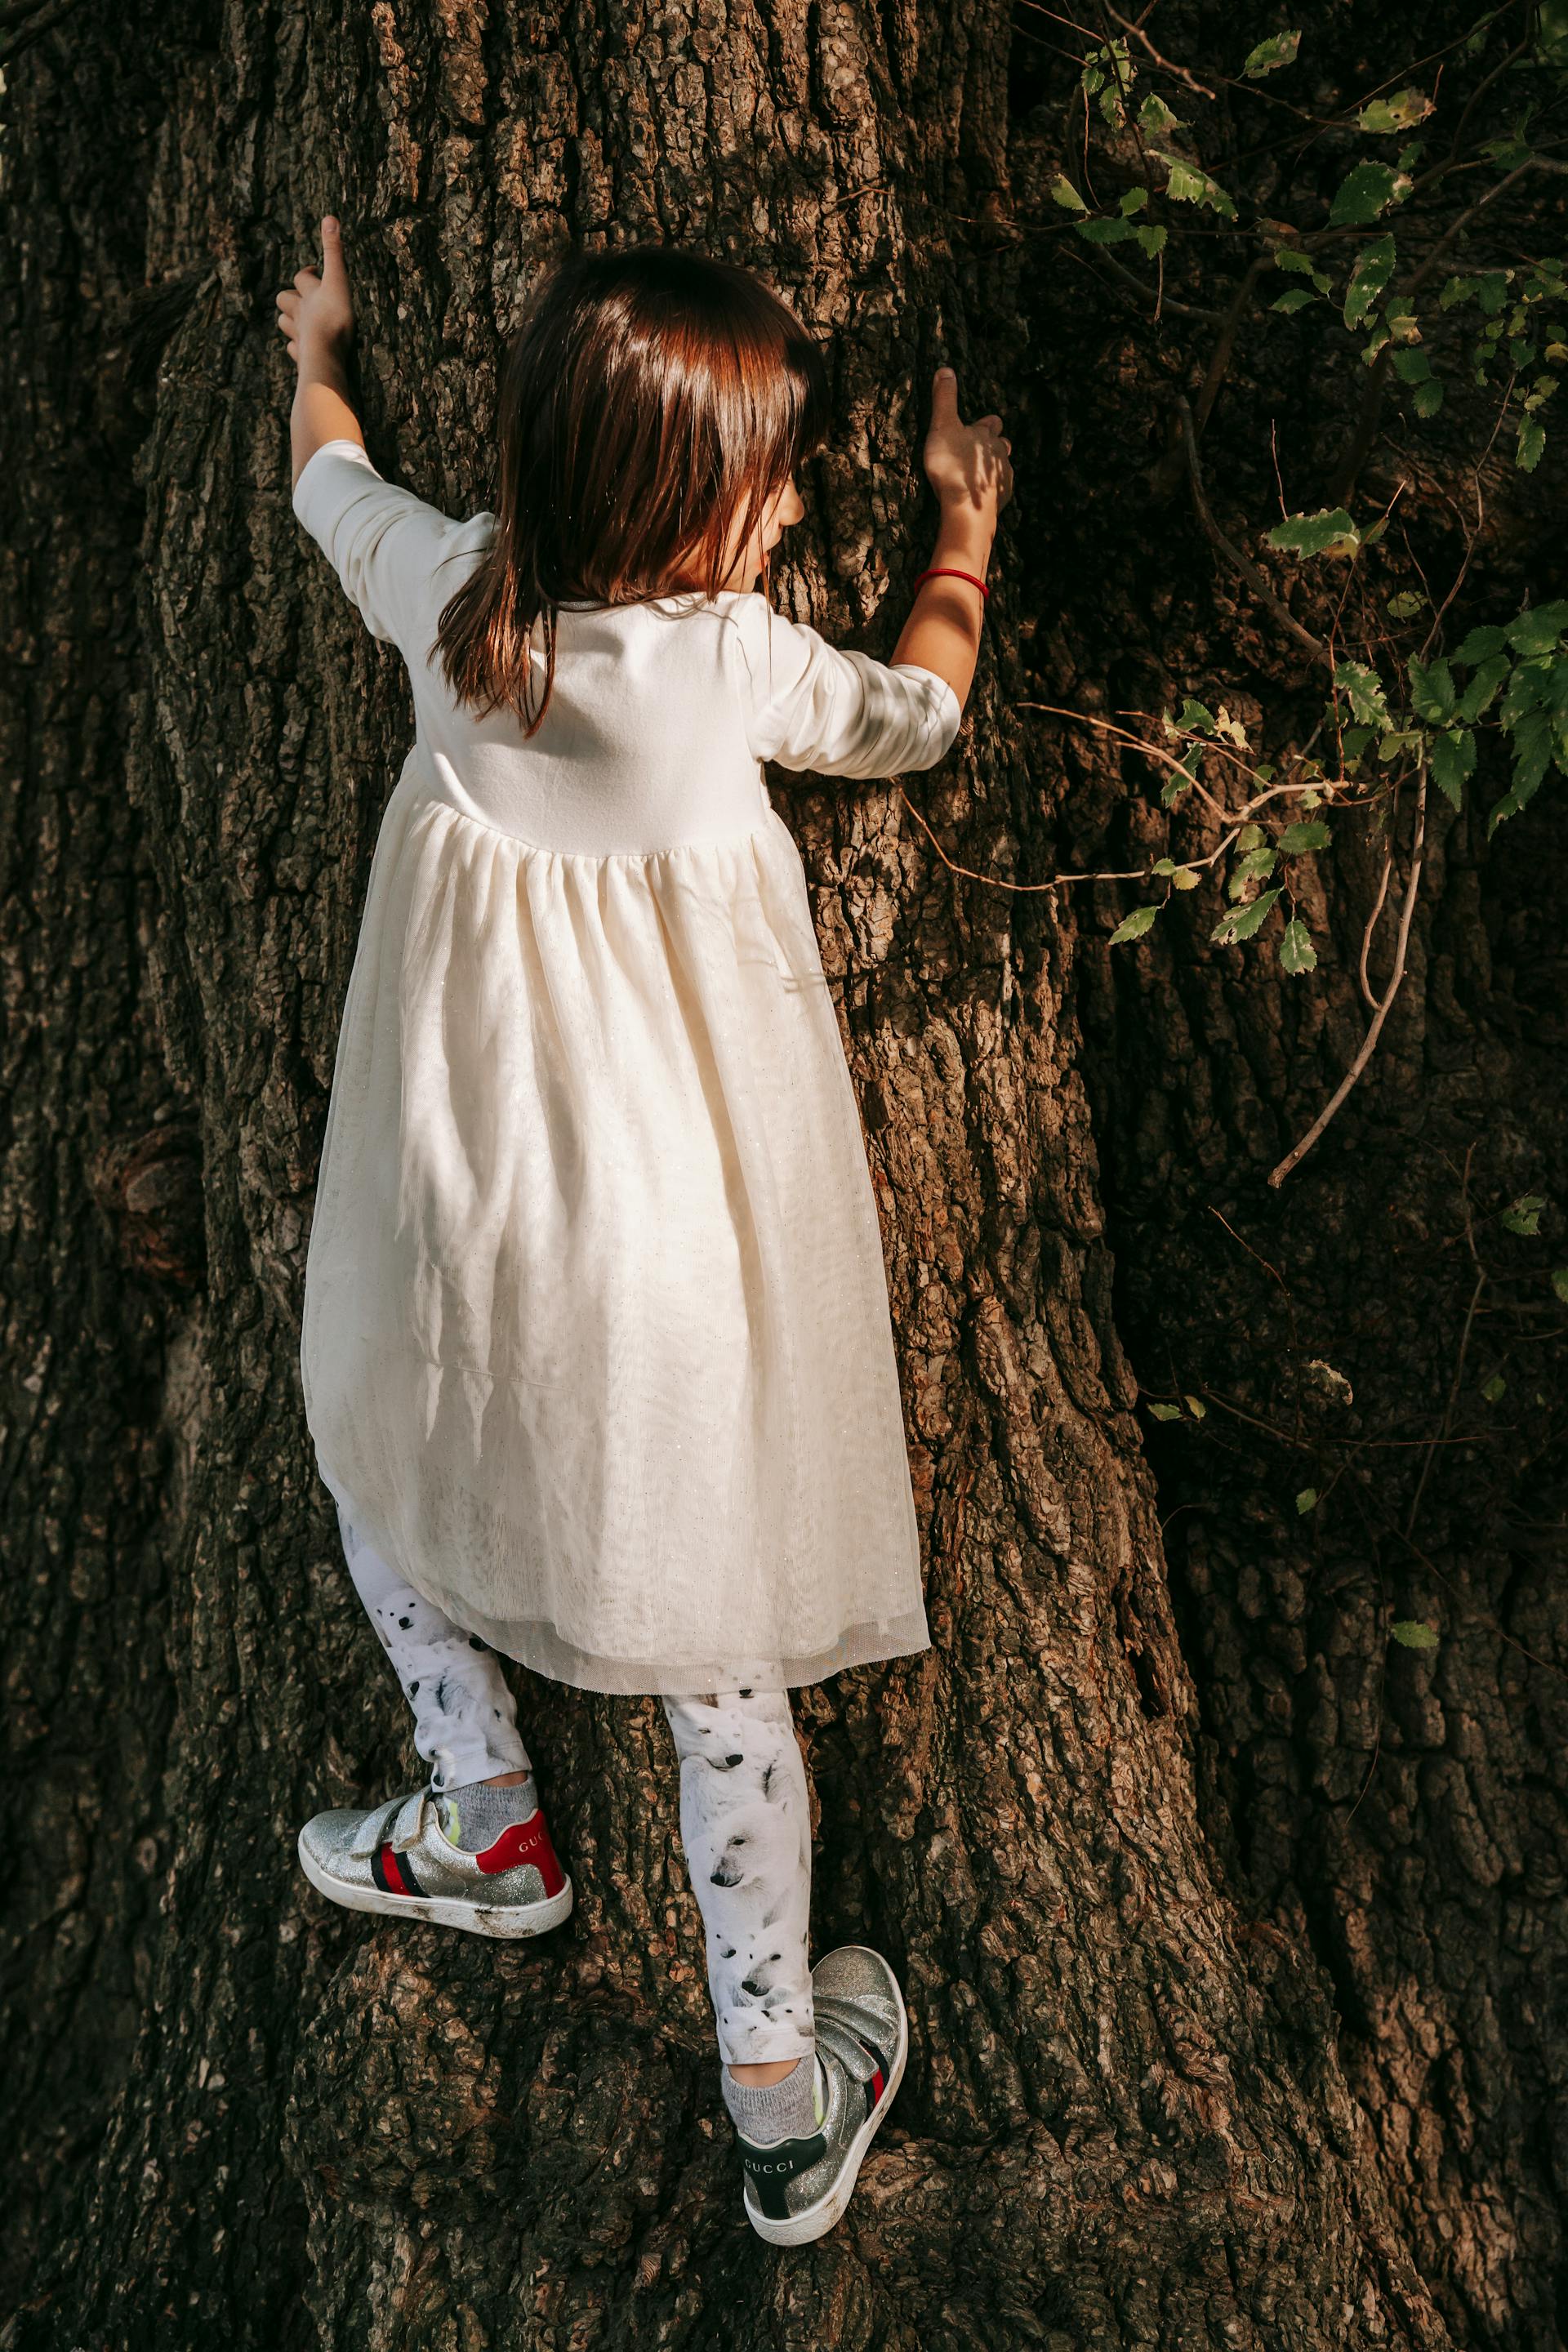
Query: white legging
{"x": 745, "y": 1817}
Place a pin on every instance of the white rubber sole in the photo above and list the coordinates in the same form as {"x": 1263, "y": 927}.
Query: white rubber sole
{"x": 817, "y": 2220}
{"x": 510, "y": 1921}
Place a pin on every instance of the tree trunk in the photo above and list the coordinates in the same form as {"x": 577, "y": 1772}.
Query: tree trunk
{"x": 1228, "y": 1934}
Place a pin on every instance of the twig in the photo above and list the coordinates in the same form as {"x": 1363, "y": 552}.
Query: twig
{"x": 1367, "y": 988}
{"x": 1181, "y": 73}
{"x": 1169, "y": 302}
{"x": 1278, "y": 1175}
{"x": 1219, "y": 358}
{"x": 1248, "y": 570}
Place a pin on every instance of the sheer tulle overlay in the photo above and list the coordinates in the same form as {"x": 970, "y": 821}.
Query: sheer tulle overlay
{"x": 596, "y": 1330}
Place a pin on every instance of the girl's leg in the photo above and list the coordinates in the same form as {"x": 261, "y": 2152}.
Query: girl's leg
{"x": 745, "y": 1822}
{"x": 464, "y": 1717}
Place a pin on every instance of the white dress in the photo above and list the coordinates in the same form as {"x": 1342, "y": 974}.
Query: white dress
{"x": 596, "y": 1330}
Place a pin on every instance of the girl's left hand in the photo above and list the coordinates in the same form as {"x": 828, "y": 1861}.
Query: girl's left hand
{"x": 316, "y": 314}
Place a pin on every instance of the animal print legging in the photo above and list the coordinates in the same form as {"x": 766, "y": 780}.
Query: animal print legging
{"x": 745, "y": 1818}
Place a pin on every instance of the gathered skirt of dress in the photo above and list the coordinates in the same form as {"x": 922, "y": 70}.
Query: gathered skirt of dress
{"x": 595, "y": 1328}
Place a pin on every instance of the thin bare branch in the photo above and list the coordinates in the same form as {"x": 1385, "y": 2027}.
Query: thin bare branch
{"x": 1248, "y": 569}
{"x": 1278, "y": 1175}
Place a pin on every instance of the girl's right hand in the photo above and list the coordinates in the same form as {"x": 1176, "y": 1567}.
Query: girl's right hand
{"x": 966, "y": 465}
{"x": 316, "y": 314}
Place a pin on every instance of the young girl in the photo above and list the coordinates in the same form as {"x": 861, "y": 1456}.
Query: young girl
{"x": 597, "y": 1353}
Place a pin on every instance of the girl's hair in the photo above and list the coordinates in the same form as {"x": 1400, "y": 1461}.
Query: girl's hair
{"x": 650, "y": 400}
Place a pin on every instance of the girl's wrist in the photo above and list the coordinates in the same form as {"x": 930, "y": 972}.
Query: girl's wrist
{"x": 327, "y": 364}
{"x": 964, "y": 538}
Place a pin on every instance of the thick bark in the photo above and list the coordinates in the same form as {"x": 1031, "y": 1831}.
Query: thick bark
{"x": 1203, "y": 2054}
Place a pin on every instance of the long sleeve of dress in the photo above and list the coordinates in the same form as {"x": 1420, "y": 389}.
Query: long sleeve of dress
{"x": 840, "y": 713}
{"x": 383, "y": 542}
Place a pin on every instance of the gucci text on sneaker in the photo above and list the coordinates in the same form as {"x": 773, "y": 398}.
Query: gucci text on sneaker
{"x": 396, "y": 1858}
{"x": 796, "y": 2190}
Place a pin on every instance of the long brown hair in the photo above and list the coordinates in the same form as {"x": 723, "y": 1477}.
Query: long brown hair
{"x": 651, "y": 399}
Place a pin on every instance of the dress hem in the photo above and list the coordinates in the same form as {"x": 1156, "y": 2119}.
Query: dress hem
{"x": 536, "y": 1643}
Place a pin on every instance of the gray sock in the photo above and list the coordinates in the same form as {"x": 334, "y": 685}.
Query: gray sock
{"x": 475, "y": 1816}
{"x": 765, "y": 2113}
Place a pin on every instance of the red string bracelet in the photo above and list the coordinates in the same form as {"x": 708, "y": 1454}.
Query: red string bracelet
{"x": 946, "y": 571}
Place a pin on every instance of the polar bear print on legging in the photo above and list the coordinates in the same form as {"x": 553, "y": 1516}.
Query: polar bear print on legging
{"x": 745, "y": 1814}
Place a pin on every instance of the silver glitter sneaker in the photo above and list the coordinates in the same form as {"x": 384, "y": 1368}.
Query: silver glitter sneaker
{"x": 398, "y": 1858}
{"x": 796, "y": 2189}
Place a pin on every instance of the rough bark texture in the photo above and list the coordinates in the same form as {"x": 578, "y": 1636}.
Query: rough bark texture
{"x": 1232, "y": 1939}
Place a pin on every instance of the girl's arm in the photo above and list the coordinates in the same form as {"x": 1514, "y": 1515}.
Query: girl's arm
{"x": 387, "y": 546}
{"x": 316, "y": 316}
{"x": 969, "y": 467}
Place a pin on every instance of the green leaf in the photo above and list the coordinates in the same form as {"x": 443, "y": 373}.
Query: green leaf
{"x": 1166, "y": 1411}
{"x": 1412, "y": 365}
{"x": 1405, "y": 605}
{"x": 1151, "y": 238}
{"x": 1183, "y": 878}
{"x": 1298, "y": 839}
{"x": 1453, "y": 761}
{"x": 1385, "y": 117}
{"x": 1243, "y": 922}
{"x": 1538, "y": 630}
{"x": 1532, "y": 756}
{"x": 1155, "y": 117}
{"x": 1328, "y": 532}
{"x": 1364, "y": 688}
{"x": 1278, "y": 50}
{"x": 1110, "y": 230}
{"x": 1195, "y": 1406}
{"x": 1195, "y": 717}
{"x": 1182, "y": 777}
{"x": 1297, "y": 953}
{"x": 1524, "y": 1216}
{"x": 1290, "y": 257}
{"x": 1064, "y": 193}
{"x": 1431, "y": 689}
{"x": 1428, "y": 398}
{"x": 1375, "y": 266}
{"x": 1295, "y": 298}
{"x": 1189, "y": 184}
{"x": 1134, "y": 927}
{"x": 1251, "y": 868}
{"x": 1494, "y": 1388}
{"x": 1307, "y": 1500}
{"x": 1532, "y": 442}
{"x": 1529, "y": 689}
{"x": 1481, "y": 689}
{"x": 1249, "y": 837}
{"x": 1135, "y": 199}
{"x": 1413, "y": 1633}
{"x": 1560, "y": 1282}
{"x": 1480, "y": 645}
{"x": 1367, "y": 192}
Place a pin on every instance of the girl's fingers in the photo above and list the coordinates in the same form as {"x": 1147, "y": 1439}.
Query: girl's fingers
{"x": 334, "y": 271}
{"x": 944, "y": 398}
{"x": 306, "y": 278}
